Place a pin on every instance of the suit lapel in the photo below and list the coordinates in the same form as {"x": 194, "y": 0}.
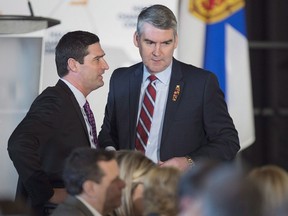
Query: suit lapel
{"x": 176, "y": 87}
{"x": 76, "y": 106}
{"x": 134, "y": 93}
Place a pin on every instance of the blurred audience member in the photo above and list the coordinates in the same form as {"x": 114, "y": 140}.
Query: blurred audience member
{"x": 160, "y": 192}
{"x": 92, "y": 179}
{"x": 220, "y": 190}
{"x": 191, "y": 186}
{"x": 273, "y": 183}
{"x": 134, "y": 167}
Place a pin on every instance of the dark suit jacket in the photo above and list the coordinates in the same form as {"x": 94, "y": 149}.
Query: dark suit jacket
{"x": 52, "y": 128}
{"x": 72, "y": 207}
{"x": 196, "y": 124}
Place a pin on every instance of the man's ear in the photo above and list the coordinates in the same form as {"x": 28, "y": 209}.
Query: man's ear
{"x": 176, "y": 41}
{"x": 72, "y": 64}
{"x": 89, "y": 187}
{"x": 136, "y": 39}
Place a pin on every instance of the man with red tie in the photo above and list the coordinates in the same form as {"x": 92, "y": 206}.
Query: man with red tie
{"x": 187, "y": 121}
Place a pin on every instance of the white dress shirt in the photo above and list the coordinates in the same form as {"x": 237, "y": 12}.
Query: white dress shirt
{"x": 162, "y": 88}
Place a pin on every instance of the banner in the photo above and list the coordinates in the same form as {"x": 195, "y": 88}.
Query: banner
{"x": 221, "y": 48}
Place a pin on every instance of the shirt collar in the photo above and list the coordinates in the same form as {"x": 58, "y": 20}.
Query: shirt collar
{"x": 78, "y": 94}
{"x": 90, "y": 207}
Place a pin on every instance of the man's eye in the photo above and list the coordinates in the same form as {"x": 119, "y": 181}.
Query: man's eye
{"x": 167, "y": 42}
{"x": 149, "y": 42}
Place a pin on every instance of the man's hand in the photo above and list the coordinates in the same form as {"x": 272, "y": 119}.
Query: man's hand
{"x": 178, "y": 162}
{"x": 59, "y": 195}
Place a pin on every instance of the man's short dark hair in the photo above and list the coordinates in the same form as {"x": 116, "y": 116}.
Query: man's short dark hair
{"x": 82, "y": 165}
{"x": 73, "y": 45}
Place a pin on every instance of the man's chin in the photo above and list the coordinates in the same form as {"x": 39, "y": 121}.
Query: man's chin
{"x": 99, "y": 85}
{"x": 156, "y": 69}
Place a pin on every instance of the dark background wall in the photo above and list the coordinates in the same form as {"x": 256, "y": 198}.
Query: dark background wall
{"x": 267, "y": 23}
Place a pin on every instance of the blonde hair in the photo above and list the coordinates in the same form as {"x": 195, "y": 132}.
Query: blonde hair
{"x": 273, "y": 183}
{"x": 133, "y": 167}
{"x": 160, "y": 191}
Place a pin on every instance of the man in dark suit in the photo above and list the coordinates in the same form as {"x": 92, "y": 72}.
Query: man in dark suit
{"x": 189, "y": 120}
{"x": 56, "y": 122}
{"x": 92, "y": 180}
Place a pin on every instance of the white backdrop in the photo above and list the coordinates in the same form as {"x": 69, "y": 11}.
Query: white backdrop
{"x": 112, "y": 20}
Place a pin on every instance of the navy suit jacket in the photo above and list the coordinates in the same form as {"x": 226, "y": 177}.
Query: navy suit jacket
{"x": 196, "y": 124}
{"x": 38, "y": 147}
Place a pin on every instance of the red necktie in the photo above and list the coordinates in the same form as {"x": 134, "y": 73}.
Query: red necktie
{"x": 146, "y": 115}
{"x": 91, "y": 121}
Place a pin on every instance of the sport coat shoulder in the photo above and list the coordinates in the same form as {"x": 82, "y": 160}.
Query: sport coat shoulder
{"x": 72, "y": 207}
{"x": 181, "y": 70}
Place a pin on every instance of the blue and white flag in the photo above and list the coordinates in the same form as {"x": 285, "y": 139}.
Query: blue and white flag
{"x": 217, "y": 29}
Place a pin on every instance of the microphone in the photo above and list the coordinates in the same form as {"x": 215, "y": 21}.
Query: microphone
{"x": 30, "y": 8}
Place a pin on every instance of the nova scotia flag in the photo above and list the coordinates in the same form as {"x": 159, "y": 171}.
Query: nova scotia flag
{"x": 212, "y": 35}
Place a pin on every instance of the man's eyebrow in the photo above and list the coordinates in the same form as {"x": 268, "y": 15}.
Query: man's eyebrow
{"x": 167, "y": 41}
{"x": 148, "y": 40}
{"x": 99, "y": 56}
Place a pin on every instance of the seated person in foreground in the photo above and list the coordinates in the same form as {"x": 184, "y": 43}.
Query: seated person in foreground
{"x": 92, "y": 179}
{"x": 223, "y": 190}
{"x": 272, "y": 180}
{"x": 134, "y": 167}
{"x": 160, "y": 196}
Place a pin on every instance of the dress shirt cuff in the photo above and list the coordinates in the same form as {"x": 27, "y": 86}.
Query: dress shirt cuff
{"x": 110, "y": 148}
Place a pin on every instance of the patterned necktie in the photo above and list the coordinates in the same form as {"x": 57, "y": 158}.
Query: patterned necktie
{"x": 146, "y": 115}
{"x": 91, "y": 120}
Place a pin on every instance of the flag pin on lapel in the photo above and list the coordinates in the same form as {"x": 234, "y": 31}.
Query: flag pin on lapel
{"x": 176, "y": 93}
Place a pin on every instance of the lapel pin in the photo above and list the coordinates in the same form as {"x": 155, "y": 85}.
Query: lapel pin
{"x": 176, "y": 93}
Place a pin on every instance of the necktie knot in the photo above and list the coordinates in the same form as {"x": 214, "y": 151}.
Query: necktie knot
{"x": 87, "y": 107}
{"x": 152, "y": 78}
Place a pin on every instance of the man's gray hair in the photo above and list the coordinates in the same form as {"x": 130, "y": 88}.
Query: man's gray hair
{"x": 159, "y": 16}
